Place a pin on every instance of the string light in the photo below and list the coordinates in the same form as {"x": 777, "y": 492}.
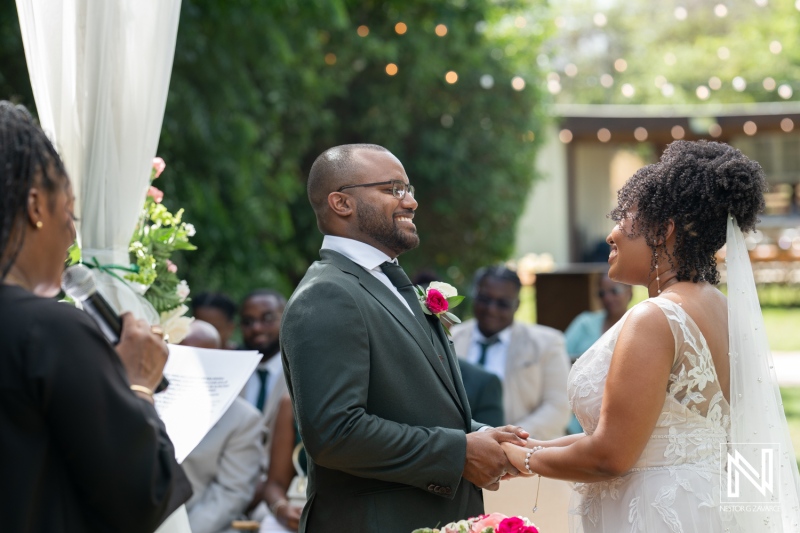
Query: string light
{"x": 720, "y": 10}
{"x": 391, "y": 69}
{"x": 785, "y": 91}
{"x": 668, "y": 90}
{"x": 677, "y": 132}
{"x": 400, "y": 28}
{"x": 620, "y": 65}
{"x": 517, "y": 83}
{"x": 640, "y": 134}
{"x": 715, "y": 83}
{"x": 775, "y": 47}
{"x": 441, "y": 30}
{"x": 703, "y": 92}
{"x": 681, "y": 13}
{"x": 628, "y": 90}
{"x": 606, "y": 80}
{"x": 362, "y": 31}
{"x": 600, "y": 19}
{"x": 723, "y": 53}
{"x": 571, "y": 70}
{"x": 739, "y": 84}
{"x": 565, "y": 136}
{"x": 487, "y": 81}
{"x": 715, "y": 130}
{"x": 451, "y": 77}
{"x": 787, "y": 124}
{"x": 330, "y": 59}
{"x": 750, "y": 128}
{"x": 554, "y": 86}
{"x": 769, "y": 84}
{"x": 603, "y": 135}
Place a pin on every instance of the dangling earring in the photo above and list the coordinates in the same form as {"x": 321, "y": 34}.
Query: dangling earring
{"x": 658, "y": 279}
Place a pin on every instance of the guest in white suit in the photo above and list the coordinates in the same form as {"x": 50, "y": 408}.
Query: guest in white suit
{"x": 531, "y": 360}
{"x": 223, "y": 469}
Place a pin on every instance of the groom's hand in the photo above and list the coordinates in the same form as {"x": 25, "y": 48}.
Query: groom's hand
{"x": 486, "y": 462}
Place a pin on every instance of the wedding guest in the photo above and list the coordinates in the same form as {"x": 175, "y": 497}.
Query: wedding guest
{"x": 218, "y": 310}
{"x": 82, "y": 447}
{"x": 224, "y": 467}
{"x": 530, "y": 360}
{"x": 284, "y": 516}
{"x": 588, "y": 326}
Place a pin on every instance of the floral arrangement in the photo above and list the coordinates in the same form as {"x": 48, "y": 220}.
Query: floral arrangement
{"x": 157, "y": 236}
{"x": 491, "y": 523}
{"x": 437, "y": 300}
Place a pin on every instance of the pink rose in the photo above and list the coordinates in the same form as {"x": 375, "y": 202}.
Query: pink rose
{"x": 515, "y": 524}
{"x": 491, "y": 520}
{"x": 156, "y": 194}
{"x": 158, "y": 166}
{"x": 436, "y": 302}
{"x": 171, "y": 267}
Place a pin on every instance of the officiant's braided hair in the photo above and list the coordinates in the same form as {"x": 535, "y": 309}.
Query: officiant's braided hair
{"x": 27, "y": 157}
{"x": 696, "y": 184}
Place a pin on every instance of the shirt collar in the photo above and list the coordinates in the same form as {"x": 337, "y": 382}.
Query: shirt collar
{"x": 504, "y": 336}
{"x": 360, "y": 253}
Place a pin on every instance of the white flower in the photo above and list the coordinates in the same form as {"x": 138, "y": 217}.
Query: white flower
{"x": 447, "y": 290}
{"x": 190, "y": 231}
{"x": 183, "y": 290}
{"x": 138, "y": 288}
{"x": 175, "y": 325}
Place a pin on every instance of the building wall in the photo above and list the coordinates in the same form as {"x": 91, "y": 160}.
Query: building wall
{"x": 543, "y": 226}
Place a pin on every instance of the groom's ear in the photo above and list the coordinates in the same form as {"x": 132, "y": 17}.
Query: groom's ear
{"x": 341, "y": 204}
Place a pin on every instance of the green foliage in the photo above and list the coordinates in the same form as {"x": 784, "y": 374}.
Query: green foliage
{"x": 659, "y": 49}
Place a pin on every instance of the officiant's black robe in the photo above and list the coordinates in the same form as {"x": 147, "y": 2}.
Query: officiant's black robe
{"x": 79, "y": 452}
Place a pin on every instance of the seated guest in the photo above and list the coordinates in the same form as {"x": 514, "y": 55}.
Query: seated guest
{"x": 81, "y": 446}
{"x": 282, "y": 471}
{"x": 530, "y": 360}
{"x": 218, "y": 310}
{"x": 484, "y": 394}
{"x": 224, "y": 467}
{"x": 587, "y": 327}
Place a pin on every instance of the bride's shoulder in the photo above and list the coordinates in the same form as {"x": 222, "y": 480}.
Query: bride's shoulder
{"x": 648, "y": 317}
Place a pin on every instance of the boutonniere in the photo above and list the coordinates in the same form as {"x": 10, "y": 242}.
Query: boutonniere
{"x": 437, "y": 300}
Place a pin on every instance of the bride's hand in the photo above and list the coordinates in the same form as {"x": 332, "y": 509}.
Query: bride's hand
{"x": 516, "y": 456}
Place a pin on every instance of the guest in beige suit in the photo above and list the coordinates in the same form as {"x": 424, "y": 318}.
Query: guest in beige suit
{"x": 530, "y": 360}
{"x": 223, "y": 469}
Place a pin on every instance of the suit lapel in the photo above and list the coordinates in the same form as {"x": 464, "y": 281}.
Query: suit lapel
{"x": 399, "y": 311}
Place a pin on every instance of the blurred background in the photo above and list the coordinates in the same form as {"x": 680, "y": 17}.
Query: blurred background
{"x": 516, "y": 120}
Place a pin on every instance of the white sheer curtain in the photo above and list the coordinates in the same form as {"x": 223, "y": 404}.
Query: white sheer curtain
{"x": 100, "y": 73}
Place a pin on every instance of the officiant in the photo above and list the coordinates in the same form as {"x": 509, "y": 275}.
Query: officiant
{"x": 83, "y": 448}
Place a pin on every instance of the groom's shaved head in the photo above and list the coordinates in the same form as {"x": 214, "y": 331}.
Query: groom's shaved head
{"x": 332, "y": 169}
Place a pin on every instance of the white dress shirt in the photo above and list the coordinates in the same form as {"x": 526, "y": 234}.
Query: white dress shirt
{"x": 496, "y": 353}
{"x": 275, "y": 368}
{"x": 367, "y": 257}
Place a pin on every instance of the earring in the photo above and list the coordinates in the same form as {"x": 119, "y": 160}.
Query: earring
{"x": 39, "y": 224}
{"x": 658, "y": 278}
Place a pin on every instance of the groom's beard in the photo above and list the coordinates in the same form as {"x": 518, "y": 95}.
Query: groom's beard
{"x": 372, "y": 222}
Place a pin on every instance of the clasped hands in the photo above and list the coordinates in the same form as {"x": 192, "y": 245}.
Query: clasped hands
{"x": 487, "y": 463}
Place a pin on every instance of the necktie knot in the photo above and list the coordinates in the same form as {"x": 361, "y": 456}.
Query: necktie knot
{"x": 396, "y": 275}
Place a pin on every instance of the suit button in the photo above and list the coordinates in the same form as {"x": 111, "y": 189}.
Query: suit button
{"x": 431, "y": 487}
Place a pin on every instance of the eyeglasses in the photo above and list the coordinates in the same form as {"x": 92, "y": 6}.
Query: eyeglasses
{"x": 616, "y": 291}
{"x": 399, "y": 188}
{"x": 501, "y": 303}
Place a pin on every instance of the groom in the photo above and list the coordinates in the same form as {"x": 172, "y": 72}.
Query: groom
{"x": 375, "y": 384}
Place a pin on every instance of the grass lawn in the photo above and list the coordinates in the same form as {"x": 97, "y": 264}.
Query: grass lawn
{"x": 791, "y": 406}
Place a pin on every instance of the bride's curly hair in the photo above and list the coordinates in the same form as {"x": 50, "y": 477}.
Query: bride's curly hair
{"x": 696, "y": 184}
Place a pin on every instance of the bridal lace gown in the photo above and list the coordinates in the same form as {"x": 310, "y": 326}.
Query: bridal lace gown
{"x": 674, "y": 486}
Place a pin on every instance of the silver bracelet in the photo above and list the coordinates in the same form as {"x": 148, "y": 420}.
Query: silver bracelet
{"x": 528, "y": 457}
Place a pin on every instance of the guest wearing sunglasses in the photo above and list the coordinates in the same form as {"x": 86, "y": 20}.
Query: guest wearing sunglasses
{"x": 530, "y": 360}
{"x": 589, "y": 326}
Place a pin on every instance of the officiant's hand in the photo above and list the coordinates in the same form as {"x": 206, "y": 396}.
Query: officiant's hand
{"x": 143, "y": 352}
{"x": 486, "y": 463}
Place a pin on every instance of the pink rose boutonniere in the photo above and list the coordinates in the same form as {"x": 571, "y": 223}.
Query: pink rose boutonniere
{"x": 437, "y": 300}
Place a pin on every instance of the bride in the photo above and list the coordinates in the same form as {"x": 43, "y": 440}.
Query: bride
{"x": 669, "y": 391}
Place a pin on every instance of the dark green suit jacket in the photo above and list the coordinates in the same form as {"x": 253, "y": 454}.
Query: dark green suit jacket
{"x": 382, "y": 421}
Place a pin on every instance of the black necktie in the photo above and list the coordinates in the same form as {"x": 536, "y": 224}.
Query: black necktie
{"x": 485, "y": 344}
{"x": 400, "y": 280}
{"x": 263, "y": 375}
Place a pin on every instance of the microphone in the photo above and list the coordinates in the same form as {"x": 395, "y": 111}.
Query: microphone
{"x": 78, "y": 282}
